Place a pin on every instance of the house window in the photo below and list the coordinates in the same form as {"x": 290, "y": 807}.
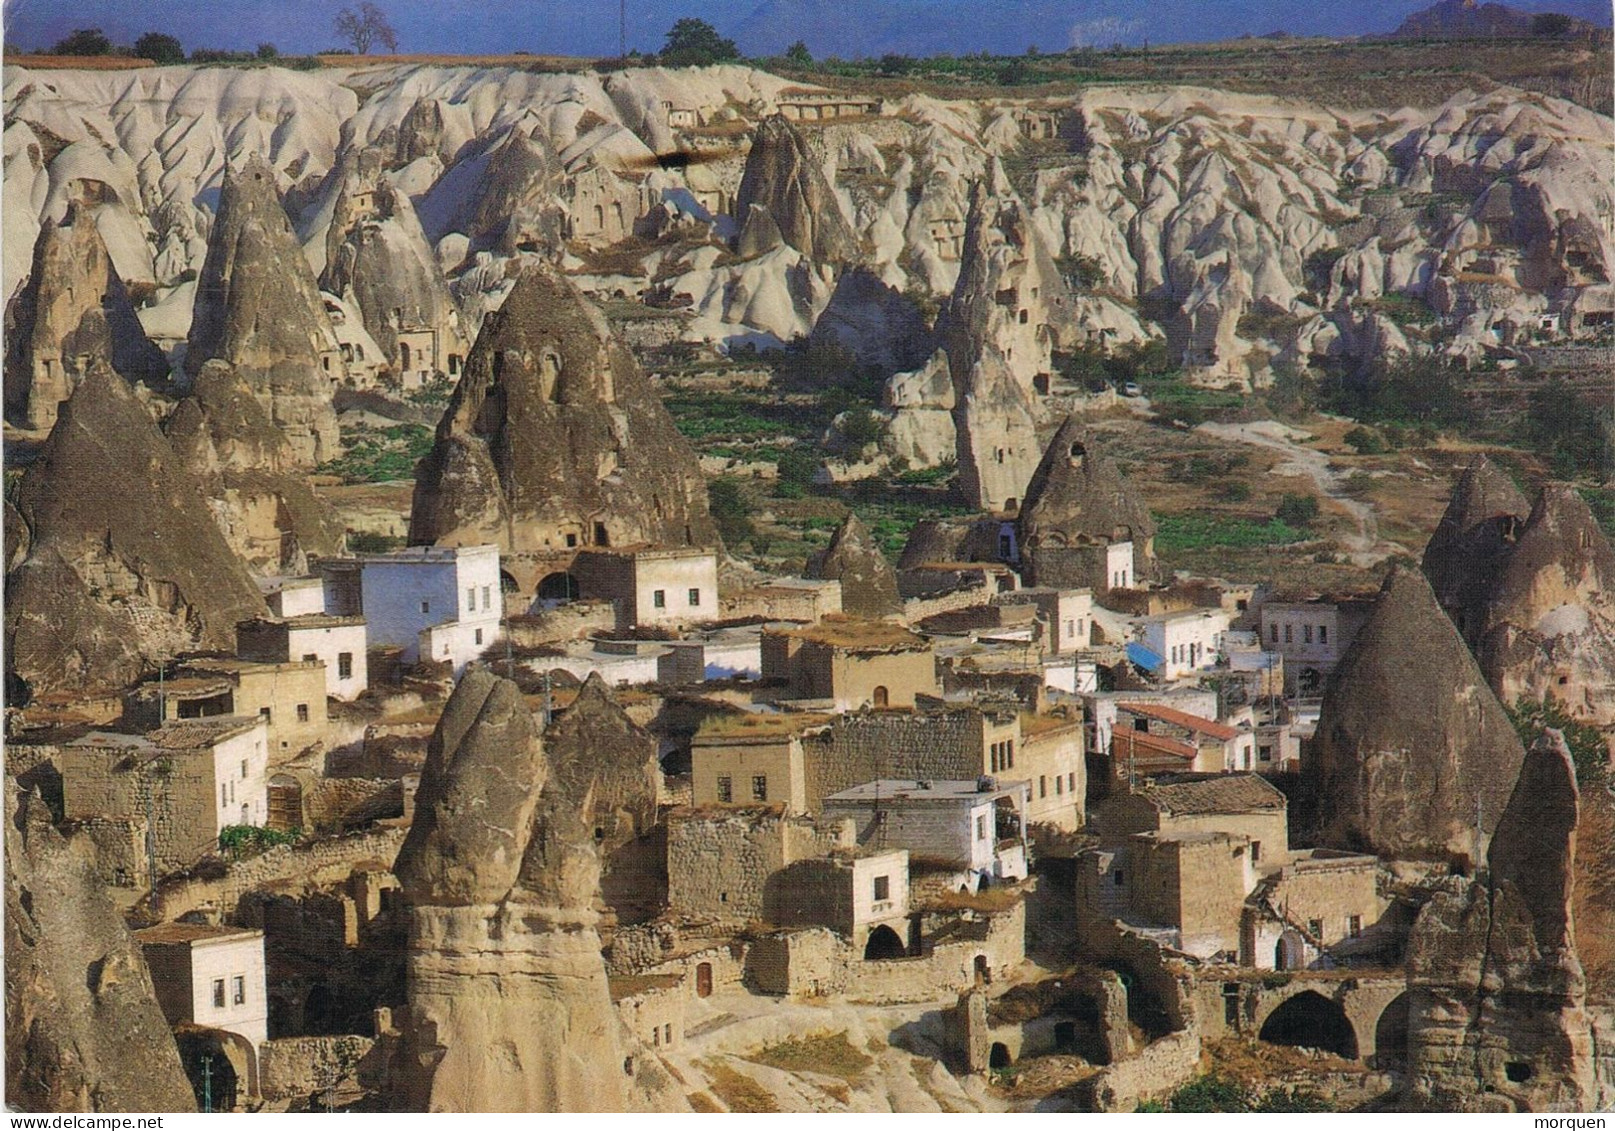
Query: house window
{"x": 310, "y": 657}
{"x": 1289, "y": 634}
{"x": 1264, "y": 753}
{"x": 726, "y": 788}
{"x": 1306, "y": 634}
{"x": 1009, "y": 753}
{"x": 478, "y": 636}
{"x": 1273, "y": 633}
{"x": 1323, "y": 634}
{"x": 344, "y": 665}
{"x": 487, "y": 594}
{"x": 759, "y": 787}
{"x": 1116, "y": 877}
{"x": 695, "y": 597}
{"x": 238, "y": 990}
{"x": 1315, "y": 928}
{"x": 981, "y": 828}
{"x": 1256, "y": 851}
{"x": 1059, "y": 786}
{"x": 224, "y": 795}
{"x": 218, "y": 993}
{"x": 302, "y": 712}
{"x": 471, "y": 598}
{"x": 426, "y": 606}
{"x": 264, "y": 714}
{"x": 1042, "y": 786}
{"x": 243, "y": 769}
{"x": 883, "y": 888}
{"x": 658, "y": 599}
{"x": 571, "y": 540}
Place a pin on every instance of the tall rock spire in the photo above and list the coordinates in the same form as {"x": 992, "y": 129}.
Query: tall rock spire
{"x": 1471, "y": 541}
{"x": 554, "y": 439}
{"x": 257, "y": 307}
{"x": 784, "y": 182}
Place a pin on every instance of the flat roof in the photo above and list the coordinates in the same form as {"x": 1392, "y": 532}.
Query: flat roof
{"x": 1183, "y": 614}
{"x": 413, "y": 555}
{"x": 856, "y": 635}
{"x": 909, "y": 789}
{"x": 175, "y": 934}
{"x": 194, "y": 734}
{"x": 739, "y": 727}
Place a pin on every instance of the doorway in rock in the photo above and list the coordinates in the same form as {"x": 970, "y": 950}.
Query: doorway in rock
{"x": 1310, "y": 1020}
{"x": 998, "y": 1056}
{"x": 884, "y": 943}
{"x": 1391, "y": 1036}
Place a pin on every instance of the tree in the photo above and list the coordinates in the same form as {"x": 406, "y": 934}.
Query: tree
{"x": 696, "y": 43}
{"x": 159, "y": 48}
{"x": 365, "y": 28}
{"x": 798, "y": 55}
{"x": 731, "y": 510}
{"x": 1553, "y": 24}
{"x": 268, "y": 51}
{"x": 1297, "y": 510}
{"x": 84, "y": 41}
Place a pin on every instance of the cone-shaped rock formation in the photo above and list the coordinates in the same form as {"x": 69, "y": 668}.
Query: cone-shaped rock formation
{"x": 1467, "y": 549}
{"x": 83, "y": 1029}
{"x": 257, "y": 307}
{"x": 784, "y": 183}
{"x": 126, "y": 566}
{"x": 261, "y": 501}
{"x": 508, "y": 1003}
{"x": 868, "y": 581}
{"x": 1412, "y": 747}
{"x": 554, "y": 439}
{"x": 1496, "y": 990}
{"x": 73, "y": 310}
{"x": 1077, "y": 507}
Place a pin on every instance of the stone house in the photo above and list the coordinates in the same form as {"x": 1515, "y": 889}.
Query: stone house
{"x": 860, "y": 893}
{"x": 209, "y": 976}
{"x": 290, "y": 697}
{"x": 799, "y": 104}
{"x": 750, "y": 759}
{"x": 1312, "y": 636}
{"x": 726, "y": 864}
{"x": 849, "y": 663}
{"x": 675, "y": 585}
{"x": 337, "y": 642}
{"x": 1203, "y": 865}
{"x": 1212, "y": 747}
{"x": 1181, "y": 643}
{"x": 806, "y": 600}
{"x": 652, "y": 1006}
{"x": 1055, "y": 767}
{"x": 189, "y": 780}
{"x": 601, "y": 206}
{"x": 1068, "y": 613}
{"x": 437, "y": 603}
{"x": 289, "y": 597}
{"x": 1101, "y": 708}
{"x": 946, "y": 743}
{"x": 976, "y": 826}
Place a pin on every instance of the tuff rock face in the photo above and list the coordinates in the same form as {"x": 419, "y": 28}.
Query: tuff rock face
{"x": 83, "y": 1028}
{"x": 999, "y": 329}
{"x": 868, "y": 582}
{"x": 1412, "y": 746}
{"x": 377, "y": 257}
{"x": 1496, "y": 990}
{"x": 125, "y": 566}
{"x": 73, "y": 311}
{"x": 784, "y": 197}
{"x": 606, "y": 761}
{"x": 1550, "y": 616}
{"x": 1077, "y": 505}
{"x": 508, "y": 1003}
{"x": 1471, "y": 542}
{"x": 257, "y": 308}
{"x": 259, "y": 498}
{"x": 554, "y": 438}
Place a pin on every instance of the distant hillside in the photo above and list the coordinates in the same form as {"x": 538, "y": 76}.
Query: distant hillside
{"x": 1466, "y": 19}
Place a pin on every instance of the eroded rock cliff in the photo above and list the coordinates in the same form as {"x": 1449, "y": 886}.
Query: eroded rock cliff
{"x": 868, "y": 581}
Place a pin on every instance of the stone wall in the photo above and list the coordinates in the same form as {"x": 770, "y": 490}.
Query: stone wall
{"x": 311, "y": 864}
{"x": 572, "y": 621}
{"x": 120, "y": 849}
{"x": 1158, "y": 1070}
{"x": 972, "y": 595}
{"x": 808, "y": 604}
{"x": 296, "y": 1068}
{"x": 175, "y": 787}
{"x": 720, "y": 861}
{"x": 861, "y": 748}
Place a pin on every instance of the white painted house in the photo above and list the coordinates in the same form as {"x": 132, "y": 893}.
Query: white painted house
{"x": 1185, "y": 641}
{"x": 671, "y": 585}
{"x": 209, "y": 976}
{"x": 977, "y": 825}
{"x": 439, "y": 603}
{"x": 339, "y": 642}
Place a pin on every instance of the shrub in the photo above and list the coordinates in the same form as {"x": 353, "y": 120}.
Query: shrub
{"x": 1366, "y": 441}
{"x": 861, "y": 427}
{"x": 1297, "y": 510}
{"x": 1586, "y": 744}
{"x": 731, "y": 510}
{"x": 241, "y": 841}
{"x": 84, "y": 41}
{"x": 159, "y": 48}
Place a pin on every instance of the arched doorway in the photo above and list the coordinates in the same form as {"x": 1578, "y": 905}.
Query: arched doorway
{"x": 984, "y": 974}
{"x": 217, "y": 1074}
{"x": 703, "y": 980}
{"x": 403, "y": 356}
{"x": 1290, "y": 952}
{"x": 1391, "y": 1036}
{"x": 1310, "y": 1020}
{"x": 998, "y": 1056}
{"x": 882, "y": 697}
{"x": 557, "y": 588}
{"x": 884, "y": 943}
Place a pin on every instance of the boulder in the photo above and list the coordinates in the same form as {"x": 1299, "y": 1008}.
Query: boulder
{"x": 73, "y": 311}
{"x": 83, "y": 1028}
{"x": 257, "y": 307}
{"x": 126, "y": 567}
{"x": 508, "y": 1005}
{"x": 1413, "y": 750}
{"x": 1077, "y": 505}
{"x": 868, "y": 582}
{"x": 785, "y": 180}
{"x": 554, "y": 439}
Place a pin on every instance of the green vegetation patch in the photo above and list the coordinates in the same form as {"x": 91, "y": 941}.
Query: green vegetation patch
{"x": 1178, "y": 533}
{"x": 828, "y": 1053}
{"x": 1218, "y": 1093}
{"x": 379, "y": 455}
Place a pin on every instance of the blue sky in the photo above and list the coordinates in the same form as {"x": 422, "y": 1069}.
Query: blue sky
{"x": 847, "y": 27}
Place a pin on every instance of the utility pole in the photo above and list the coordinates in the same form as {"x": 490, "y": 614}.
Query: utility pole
{"x": 622, "y": 29}
{"x": 207, "y": 1083}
